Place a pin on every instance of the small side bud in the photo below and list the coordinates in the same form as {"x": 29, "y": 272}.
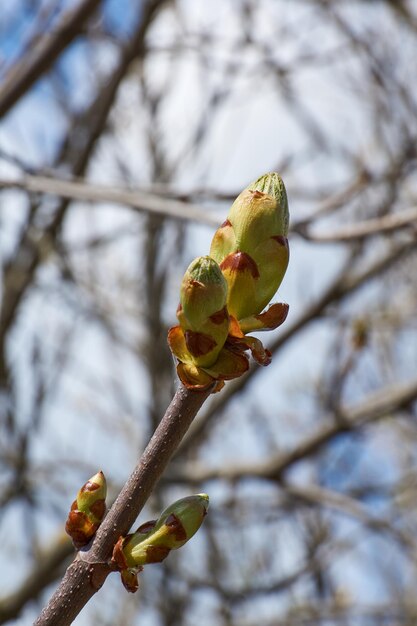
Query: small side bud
{"x": 176, "y": 525}
{"x": 182, "y": 519}
{"x": 87, "y": 511}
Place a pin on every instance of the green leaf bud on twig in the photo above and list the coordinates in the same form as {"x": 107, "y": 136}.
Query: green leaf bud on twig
{"x": 202, "y": 312}
{"x": 153, "y": 541}
{"x": 251, "y": 246}
{"x": 203, "y": 292}
{"x": 87, "y": 511}
{"x": 129, "y": 570}
{"x": 198, "y": 342}
{"x": 223, "y": 296}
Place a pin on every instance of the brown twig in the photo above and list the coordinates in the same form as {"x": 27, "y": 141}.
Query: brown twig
{"x": 87, "y": 573}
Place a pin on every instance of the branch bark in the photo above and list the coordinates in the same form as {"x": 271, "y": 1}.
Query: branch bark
{"x": 85, "y": 576}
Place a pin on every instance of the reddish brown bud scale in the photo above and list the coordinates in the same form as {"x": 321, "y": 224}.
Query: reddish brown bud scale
{"x": 194, "y": 378}
{"x": 257, "y": 194}
{"x": 199, "y": 344}
{"x": 79, "y": 528}
{"x": 118, "y": 555}
{"x": 264, "y": 357}
{"x": 219, "y": 317}
{"x": 195, "y": 285}
{"x": 130, "y": 579}
{"x": 240, "y": 262}
{"x": 89, "y": 486}
{"x": 98, "y": 508}
{"x": 274, "y": 316}
{"x": 156, "y": 554}
{"x": 176, "y": 528}
{"x": 283, "y": 241}
{"x": 147, "y": 526}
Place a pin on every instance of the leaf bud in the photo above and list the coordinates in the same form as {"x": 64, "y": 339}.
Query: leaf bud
{"x": 176, "y": 525}
{"x": 251, "y": 246}
{"x": 87, "y": 511}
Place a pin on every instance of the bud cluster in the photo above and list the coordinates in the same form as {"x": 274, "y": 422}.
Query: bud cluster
{"x": 199, "y": 340}
{"x": 223, "y": 295}
{"x": 152, "y": 541}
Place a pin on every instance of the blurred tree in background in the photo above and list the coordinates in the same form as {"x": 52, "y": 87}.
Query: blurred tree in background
{"x": 127, "y": 128}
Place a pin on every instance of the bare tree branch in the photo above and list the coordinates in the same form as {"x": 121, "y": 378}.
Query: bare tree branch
{"x": 377, "y": 226}
{"x": 135, "y": 199}
{"x": 29, "y": 69}
{"x": 89, "y": 570}
{"x": 46, "y": 569}
{"x": 328, "y": 498}
{"x": 375, "y": 407}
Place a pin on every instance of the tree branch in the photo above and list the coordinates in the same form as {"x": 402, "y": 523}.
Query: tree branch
{"x": 87, "y": 192}
{"x": 48, "y": 566}
{"x": 87, "y": 573}
{"x": 77, "y": 152}
{"x": 30, "y": 68}
{"x": 366, "y": 228}
{"x": 316, "y": 495}
{"x": 373, "y": 408}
